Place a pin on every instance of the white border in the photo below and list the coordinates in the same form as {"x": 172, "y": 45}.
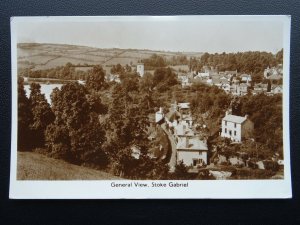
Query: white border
{"x": 216, "y": 189}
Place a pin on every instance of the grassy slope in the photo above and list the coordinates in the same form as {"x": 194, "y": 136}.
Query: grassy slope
{"x": 45, "y": 56}
{"x": 34, "y": 166}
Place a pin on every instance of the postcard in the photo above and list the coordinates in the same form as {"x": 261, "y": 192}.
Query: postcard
{"x": 150, "y": 107}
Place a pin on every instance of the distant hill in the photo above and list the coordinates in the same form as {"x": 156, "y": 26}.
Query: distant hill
{"x": 34, "y": 166}
{"x": 45, "y": 56}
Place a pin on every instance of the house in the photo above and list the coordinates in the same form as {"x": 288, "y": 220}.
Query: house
{"x": 243, "y": 89}
{"x": 276, "y": 89}
{"x": 274, "y": 73}
{"x": 236, "y": 127}
{"x": 81, "y": 82}
{"x": 246, "y": 78}
{"x": 203, "y": 75}
{"x": 179, "y": 113}
{"x": 192, "y": 151}
{"x": 184, "y": 79}
{"x": 231, "y": 72}
{"x": 186, "y": 82}
{"x": 159, "y": 115}
{"x": 225, "y": 85}
{"x": 172, "y": 118}
{"x": 260, "y": 88}
{"x": 239, "y": 89}
{"x": 182, "y": 130}
{"x": 113, "y": 78}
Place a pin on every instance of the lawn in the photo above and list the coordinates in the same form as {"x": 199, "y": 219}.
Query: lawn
{"x": 34, "y": 166}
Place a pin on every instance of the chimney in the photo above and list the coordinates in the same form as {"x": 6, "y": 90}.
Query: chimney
{"x": 161, "y": 110}
{"x": 227, "y": 113}
{"x": 246, "y": 116}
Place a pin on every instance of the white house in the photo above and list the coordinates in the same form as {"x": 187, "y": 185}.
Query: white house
{"x": 274, "y": 73}
{"x": 140, "y": 69}
{"x": 246, "y": 78}
{"x": 236, "y": 127}
{"x": 159, "y": 115}
{"x": 203, "y": 75}
{"x": 276, "y": 89}
{"x": 192, "y": 151}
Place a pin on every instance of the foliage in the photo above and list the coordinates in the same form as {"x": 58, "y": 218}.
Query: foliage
{"x": 96, "y": 79}
{"x": 181, "y": 172}
{"x": 76, "y": 134}
{"x": 248, "y": 62}
{"x": 154, "y": 61}
{"x": 24, "y": 117}
{"x": 164, "y": 78}
{"x": 266, "y": 114}
{"x": 42, "y": 115}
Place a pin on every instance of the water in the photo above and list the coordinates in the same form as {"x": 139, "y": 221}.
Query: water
{"x": 45, "y": 89}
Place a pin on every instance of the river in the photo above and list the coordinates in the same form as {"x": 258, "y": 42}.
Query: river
{"x": 45, "y": 89}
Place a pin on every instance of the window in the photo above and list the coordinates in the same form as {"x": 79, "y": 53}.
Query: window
{"x": 230, "y": 133}
{"x": 225, "y": 130}
{"x": 195, "y": 162}
{"x": 225, "y": 123}
{"x": 234, "y": 125}
{"x": 234, "y": 133}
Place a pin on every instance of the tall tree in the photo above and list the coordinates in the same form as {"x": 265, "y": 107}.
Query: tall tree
{"x": 42, "y": 115}
{"x": 96, "y": 79}
{"x": 24, "y": 117}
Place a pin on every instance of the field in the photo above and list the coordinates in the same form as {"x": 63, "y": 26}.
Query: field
{"x": 46, "y": 56}
{"x": 34, "y": 166}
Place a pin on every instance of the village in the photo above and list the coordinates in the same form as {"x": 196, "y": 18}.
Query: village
{"x": 192, "y": 117}
{"x": 188, "y": 141}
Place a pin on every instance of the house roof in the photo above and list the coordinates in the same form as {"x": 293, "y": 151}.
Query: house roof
{"x": 275, "y": 77}
{"x": 243, "y": 85}
{"x": 184, "y": 105}
{"x": 276, "y": 86}
{"x": 245, "y": 75}
{"x": 194, "y": 144}
{"x": 182, "y": 130}
{"x": 235, "y": 119}
{"x": 172, "y": 115}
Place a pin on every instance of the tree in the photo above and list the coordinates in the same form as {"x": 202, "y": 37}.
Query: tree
{"x": 181, "y": 171}
{"x": 96, "y": 79}
{"x": 76, "y": 134}
{"x": 164, "y": 78}
{"x": 24, "y": 117}
{"x": 279, "y": 57}
{"x": 42, "y": 115}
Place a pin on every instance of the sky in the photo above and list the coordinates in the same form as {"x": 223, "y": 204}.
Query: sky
{"x": 187, "y": 34}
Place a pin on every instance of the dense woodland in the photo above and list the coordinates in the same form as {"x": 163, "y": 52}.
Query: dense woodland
{"x": 97, "y": 124}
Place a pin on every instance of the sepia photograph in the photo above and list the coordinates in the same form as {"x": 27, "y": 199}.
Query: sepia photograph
{"x": 170, "y": 106}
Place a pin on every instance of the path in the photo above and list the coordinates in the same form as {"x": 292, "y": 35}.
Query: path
{"x": 173, "y": 160}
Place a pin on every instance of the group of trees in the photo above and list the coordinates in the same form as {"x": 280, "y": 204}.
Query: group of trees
{"x": 66, "y": 72}
{"x": 266, "y": 114}
{"x": 79, "y": 128}
{"x": 208, "y": 106}
{"x": 34, "y": 115}
{"x": 154, "y": 61}
{"x": 119, "y": 69}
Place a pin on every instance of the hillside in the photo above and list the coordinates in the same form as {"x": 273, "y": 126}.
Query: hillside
{"x": 34, "y": 166}
{"x": 46, "y": 56}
